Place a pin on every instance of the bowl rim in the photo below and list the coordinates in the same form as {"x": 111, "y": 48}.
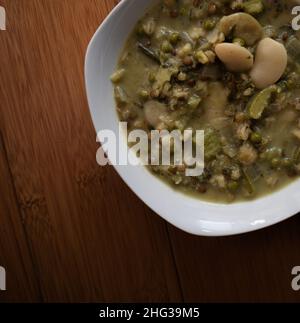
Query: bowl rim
{"x": 191, "y": 222}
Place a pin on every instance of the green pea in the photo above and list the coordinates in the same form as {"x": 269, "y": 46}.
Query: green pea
{"x": 144, "y": 94}
{"x": 209, "y": 24}
{"x": 287, "y": 162}
{"x": 174, "y": 38}
{"x": 232, "y": 186}
{"x": 239, "y": 41}
{"x": 256, "y": 138}
{"x": 166, "y": 47}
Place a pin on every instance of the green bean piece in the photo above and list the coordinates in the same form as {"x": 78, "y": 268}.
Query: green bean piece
{"x": 120, "y": 95}
{"x": 151, "y": 53}
{"x": 212, "y": 143}
{"x": 260, "y": 101}
{"x": 248, "y": 183}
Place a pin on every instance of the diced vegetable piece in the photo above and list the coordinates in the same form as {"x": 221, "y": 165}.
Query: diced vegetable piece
{"x": 194, "y": 102}
{"x": 185, "y": 50}
{"x": 196, "y": 33}
{"x": 201, "y": 57}
{"x": 212, "y": 143}
{"x": 253, "y": 7}
{"x": 153, "y": 112}
{"x": 182, "y": 76}
{"x": 272, "y": 178}
{"x": 260, "y": 101}
{"x": 247, "y": 154}
{"x": 243, "y": 131}
{"x": 218, "y": 181}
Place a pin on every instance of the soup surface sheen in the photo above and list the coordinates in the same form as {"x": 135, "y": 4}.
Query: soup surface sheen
{"x": 230, "y": 68}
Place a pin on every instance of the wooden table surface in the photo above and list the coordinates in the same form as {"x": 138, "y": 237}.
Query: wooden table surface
{"x": 73, "y": 231}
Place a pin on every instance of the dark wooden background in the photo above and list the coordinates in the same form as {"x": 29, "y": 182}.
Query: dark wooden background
{"x": 72, "y": 231}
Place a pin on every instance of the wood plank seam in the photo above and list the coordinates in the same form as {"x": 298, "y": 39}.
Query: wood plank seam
{"x": 172, "y": 249}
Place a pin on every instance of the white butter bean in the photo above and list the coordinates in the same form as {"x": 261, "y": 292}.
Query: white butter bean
{"x": 235, "y": 57}
{"x": 243, "y": 26}
{"x": 270, "y": 63}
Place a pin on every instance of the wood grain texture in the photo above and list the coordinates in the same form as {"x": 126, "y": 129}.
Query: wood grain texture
{"x": 88, "y": 242}
{"x": 253, "y": 267}
{"x": 72, "y": 231}
{"x": 14, "y": 251}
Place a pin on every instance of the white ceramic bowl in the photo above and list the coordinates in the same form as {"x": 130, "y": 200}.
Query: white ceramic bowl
{"x": 187, "y": 213}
